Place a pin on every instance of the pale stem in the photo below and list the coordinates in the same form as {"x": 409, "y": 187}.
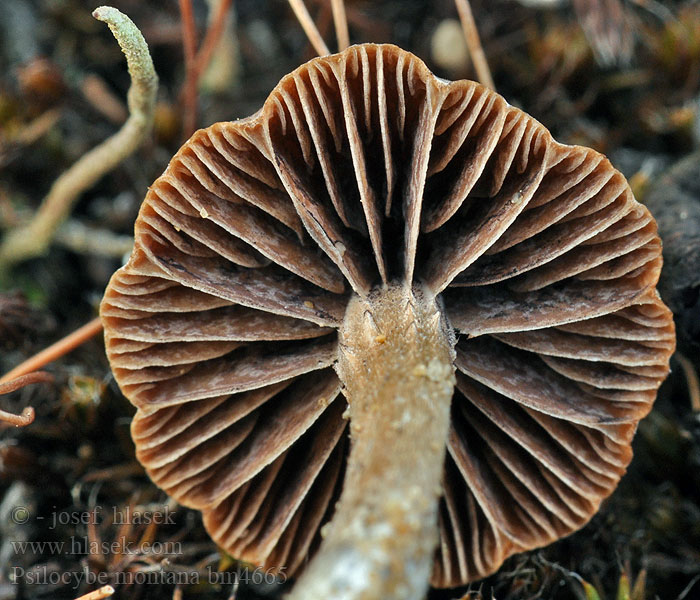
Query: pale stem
{"x": 396, "y": 363}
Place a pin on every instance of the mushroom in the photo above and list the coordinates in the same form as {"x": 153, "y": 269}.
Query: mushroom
{"x": 414, "y": 255}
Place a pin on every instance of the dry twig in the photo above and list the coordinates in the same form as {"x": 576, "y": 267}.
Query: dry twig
{"x": 34, "y": 239}
{"x": 61, "y": 347}
{"x": 212, "y": 37}
{"x": 27, "y": 416}
{"x": 189, "y": 44}
{"x": 197, "y": 61}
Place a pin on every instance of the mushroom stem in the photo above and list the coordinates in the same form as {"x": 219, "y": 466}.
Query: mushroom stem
{"x": 396, "y": 362}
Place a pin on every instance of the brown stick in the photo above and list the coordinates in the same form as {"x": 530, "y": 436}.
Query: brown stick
{"x": 61, "y": 347}
{"x": 196, "y": 62}
{"x": 341, "y": 24}
{"x": 189, "y": 31}
{"x": 189, "y": 44}
{"x": 309, "y": 27}
{"x": 474, "y": 43}
{"x": 7, "y": 387}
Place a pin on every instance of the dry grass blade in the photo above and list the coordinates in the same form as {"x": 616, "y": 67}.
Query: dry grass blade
{"x": 474, "y": 43}
{"x": 38, "y": 127}
{"x": 607, "y": 28}
{"x": 341, "y": 24}
{"x": 103, "y": 99}
{"x": 691, "y": 377}
{"x": 307, "y": 23}
{"x": 33, "y": 239}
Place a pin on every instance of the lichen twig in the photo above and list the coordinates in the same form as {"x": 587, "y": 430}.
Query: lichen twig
{"x": 34, "y": 238}
{"x": 476, "y": 51}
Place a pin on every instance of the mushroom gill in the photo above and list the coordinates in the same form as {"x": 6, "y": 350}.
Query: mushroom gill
{"x": 369, "y": 194}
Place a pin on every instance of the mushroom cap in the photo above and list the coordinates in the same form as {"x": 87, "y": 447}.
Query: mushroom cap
{"x": 363, "y": 168}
